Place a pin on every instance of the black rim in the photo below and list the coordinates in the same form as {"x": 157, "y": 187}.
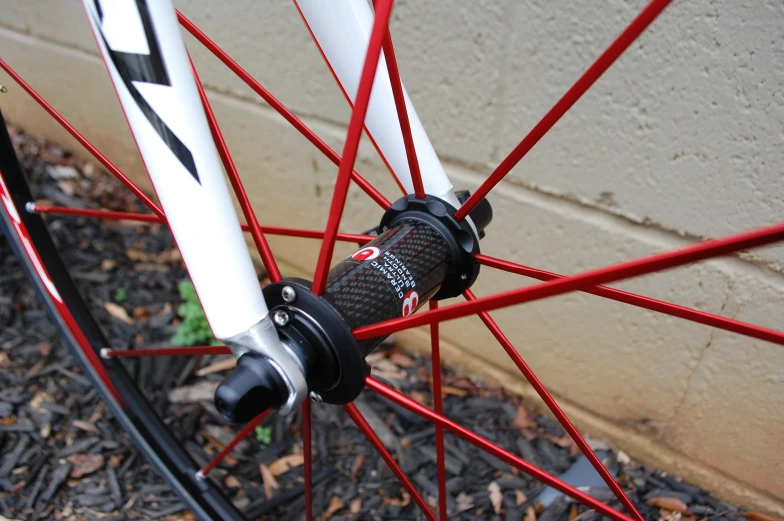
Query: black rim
{"x": 136, "y": 415}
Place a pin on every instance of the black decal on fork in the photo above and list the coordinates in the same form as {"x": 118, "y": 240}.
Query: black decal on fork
{"x": 147, "y": 68}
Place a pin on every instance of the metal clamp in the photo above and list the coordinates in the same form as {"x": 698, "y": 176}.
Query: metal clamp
{"x": 262, "y": 338}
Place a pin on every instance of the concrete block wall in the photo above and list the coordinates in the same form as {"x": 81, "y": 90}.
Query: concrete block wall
{"x": 682, "y": 139}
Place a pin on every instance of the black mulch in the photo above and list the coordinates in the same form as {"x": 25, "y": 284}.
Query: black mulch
{"x": 65, "y": 458}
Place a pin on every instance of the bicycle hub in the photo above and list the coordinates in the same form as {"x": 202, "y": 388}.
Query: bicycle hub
{"x": 421, "y": 252}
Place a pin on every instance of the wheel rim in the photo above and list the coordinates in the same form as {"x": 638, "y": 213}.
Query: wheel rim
{"x": 553, "y": 284}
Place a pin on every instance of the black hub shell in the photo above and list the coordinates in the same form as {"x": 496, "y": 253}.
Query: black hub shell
{"x": 460, "y": 239}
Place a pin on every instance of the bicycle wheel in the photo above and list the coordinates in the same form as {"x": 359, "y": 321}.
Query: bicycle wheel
{"x": 27, "y": 232}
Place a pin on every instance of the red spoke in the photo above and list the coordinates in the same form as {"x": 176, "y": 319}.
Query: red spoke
{"x": 616, "y": 272}
{"x": 83, "y": 141}
{"x": 233, "y": 443}
{"x": 273, "y": 102}
{"x": 355, "y": 126}
{"x": 438, "y": 407}
{"x": 365, "y": 428}
{"x": 621, "y": 43}
{"x": 307, "y": 452}
{"x": 556, "y": 410}
{"x": 728, "y": 324}
{"x": 402, "y": 114}
{"x": 239, "y": 190}
{"x": 165, "y": 351}
{"x": 141, "y": 217}
{"x": 98, "y": 214}
{"x": 489, "y": 447}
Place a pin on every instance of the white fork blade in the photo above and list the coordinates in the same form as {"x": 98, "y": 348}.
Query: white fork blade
{"x": 342, "y": 30}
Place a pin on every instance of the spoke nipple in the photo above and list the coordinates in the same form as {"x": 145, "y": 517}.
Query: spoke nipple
{"x": 30, "y": 207}
{"x": 316, "y": 398}
{"x": 288, "y": 293}
{"x": 463, "y": 276}
{"x": 281, "y": 318}
{"x": 200, "y": 474}
{"x": 3, "y": 88}
{"x": 105, "y": 352}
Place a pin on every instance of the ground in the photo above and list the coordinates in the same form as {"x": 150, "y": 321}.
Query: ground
{"x": 65, "y": 458}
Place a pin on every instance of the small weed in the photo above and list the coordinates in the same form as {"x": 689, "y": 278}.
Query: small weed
{"x": 193, "y": 329}
{"x": 120, "y": 295}
{"x": 264, "y": 435}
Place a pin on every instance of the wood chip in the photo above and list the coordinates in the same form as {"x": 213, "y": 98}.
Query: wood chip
{"x": 356, "y": 506}
{"x": 269, "y": 480}
{"x": 282, "y": 465}
{"x": 118, "y": 312}
{"x": 530, "y": 514}
{"x": 448, "y": 390}
{"x": 85, "y": 426}
{"x": 202, "y": 391}
{"x": 216, "y": 367}
{"x": 108, "y": 265}
{"x": 520, "y": 497}
{"x": 5, "y": 362}
{"x": 496, "y": 497}
{"x": 669, "y": 503}
{"x": 573, "y": 512}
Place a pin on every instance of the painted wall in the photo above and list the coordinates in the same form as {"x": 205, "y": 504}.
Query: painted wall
{"x": 682, "y": 139}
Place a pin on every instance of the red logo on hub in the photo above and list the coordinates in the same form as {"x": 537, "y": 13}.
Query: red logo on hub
{"x": 366, "y": 253}
{"x": 410, "y": 302}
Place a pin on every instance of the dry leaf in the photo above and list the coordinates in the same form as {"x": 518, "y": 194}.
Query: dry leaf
{"x": 335, "y": 504}
{"x": 402, "y": 360}
{"x": 85, "y": 426}
{"x": 530, "y": 514}
{"x": 141, "y": 313}
{"x": 464, "y": 502}
{"x": 523, "y": 420}
{"x": 232, "y": 482}
{"x": 45, "y": 348}
{"x": 4, "y": 360}
{"x": 269, "y": 480}
{"x": 115, "y": 460}
{"x": 216, "y": 367}
{"x": 118, "y": 312}
{"x": 286, "y": 463}
{"x": 404, "y": 502}
{"x": 359, "y": 460}
{"x": 3, "y": 518}
{"x": 356, "y": 506}
{"x": 669, "y": 503}
{"x": 758, "y": 516}
{"x": 496, "y": 497}
{"x": 520, "y": 497}
{"x": 149, "y": 266}
{"x": 573, "y": 512}
{"x": 137, "y": 255}
{"x": 420, "y": 397}
{"x": 108, "y": 265}
{"x": 39, "y": 398}
{"x": 84, "y": 464}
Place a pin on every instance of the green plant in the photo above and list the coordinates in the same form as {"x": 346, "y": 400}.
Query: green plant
{"x": 264, "y": 434}
{"x": 193, "y": 328}
{"x": 120, "y": 295}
